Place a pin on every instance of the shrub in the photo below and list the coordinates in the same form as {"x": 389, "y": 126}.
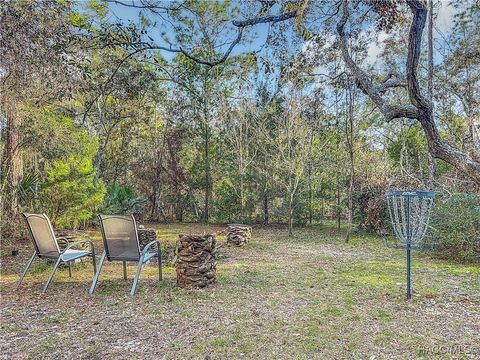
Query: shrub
{"x": 370, "y": 204}
{"x": 456, "y": 223}
{"x": 226, "y": 202}
{"x": 122, "y": 200}
{"x": 72, "y": 192}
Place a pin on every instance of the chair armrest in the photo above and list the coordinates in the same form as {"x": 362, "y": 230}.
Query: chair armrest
{"x": 149, "y": 245}
{"x": 63, "y": 238}
{"x": 62, "y": 242}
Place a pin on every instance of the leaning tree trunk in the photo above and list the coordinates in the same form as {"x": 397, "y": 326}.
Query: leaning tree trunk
{"x": 196, "y": 265}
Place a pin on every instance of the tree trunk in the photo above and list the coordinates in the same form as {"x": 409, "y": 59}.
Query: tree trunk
{"x": 310, "y": 205}
{"x": 194, "y": 204}
{"x": 179, "y": 204}
{"x": 265, "y": 208}
{"x": 430, "y": 50}
{"x": 206, "y": 214}
{"x": 337, "y": 171}
{"x": 337, "y": 212}
{"x": 265, "y": 197}
{"x": 242, "y": 198}
{"x": 157, "y": 189}
{"x": 12, "y": 164}
{"x": 196, "y": 265}
{"x": 290, "y": 216}
{"x": 350, "y": 145}
{"x": 431, "y": 160}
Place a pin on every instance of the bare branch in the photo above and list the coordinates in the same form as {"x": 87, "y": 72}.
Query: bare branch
{"x": 265, "y": 19}
{"x": 391, "y": 83}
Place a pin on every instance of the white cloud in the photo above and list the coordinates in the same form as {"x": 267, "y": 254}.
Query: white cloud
{"x": 445, "y": 16}
{"x": 375, "y": 48}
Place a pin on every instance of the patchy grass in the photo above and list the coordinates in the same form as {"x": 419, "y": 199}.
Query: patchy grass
{"x": 310, "y": 296}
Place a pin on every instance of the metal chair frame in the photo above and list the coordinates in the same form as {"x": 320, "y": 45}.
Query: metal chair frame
{"x": 143, "y": 257}
{"x": 62, "y": 255}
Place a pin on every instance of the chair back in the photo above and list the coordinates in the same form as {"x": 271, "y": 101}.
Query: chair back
{"x": 120, "y": 237}
{"x": 42, "y": 235}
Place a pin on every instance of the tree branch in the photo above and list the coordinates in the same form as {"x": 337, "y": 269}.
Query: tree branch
{"x": 389, "y": 111}
{"x": 419, "y": 11}
{"x": 420, "y": 108}
{"x": 265, "y": 19}
{"x": 222, "y": 59}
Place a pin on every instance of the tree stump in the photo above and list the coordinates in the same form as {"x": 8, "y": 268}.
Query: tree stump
{"x": 238, "y": 234}
{"x": 196, "y": 264}
{"x": 145, "y": 236}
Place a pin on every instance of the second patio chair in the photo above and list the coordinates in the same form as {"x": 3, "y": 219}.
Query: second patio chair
{"x": 46, "y": 247}
{"x": 121, "y": 243}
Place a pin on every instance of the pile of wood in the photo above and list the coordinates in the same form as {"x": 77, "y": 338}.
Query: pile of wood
{"x": 196, "y": 264}
{"x": 145, "y": 236}
{"x": 238, "y": 234}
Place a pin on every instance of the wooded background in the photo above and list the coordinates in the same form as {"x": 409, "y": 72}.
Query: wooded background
{"x": 255, "y": 112}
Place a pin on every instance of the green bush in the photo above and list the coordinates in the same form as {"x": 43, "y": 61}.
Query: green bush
{"x": 122, "y": 200}
{"x": 226, "y": 203}
{"x": 456, "y": 223}
{"x": 72, "y": 192}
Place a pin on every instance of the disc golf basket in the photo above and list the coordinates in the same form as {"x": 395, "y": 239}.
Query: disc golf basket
{"x": 409, "y": 214}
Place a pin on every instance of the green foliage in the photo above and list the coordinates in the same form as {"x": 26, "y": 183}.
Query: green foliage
{"x": 411, "y": 139}
{"x": 122, "y": 200}
{"x": 226, "y": 203}
{"x": 70, "y": 192}
{"x": 456, "y": 221}
{"x": 27, "y": 189}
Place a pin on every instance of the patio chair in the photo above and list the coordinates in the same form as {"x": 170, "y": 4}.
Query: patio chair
{"x": 46, "y": 247}
{"x": 120, "y": 239}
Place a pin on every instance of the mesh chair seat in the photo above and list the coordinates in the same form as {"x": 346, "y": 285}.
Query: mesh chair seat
{"x": 71, "y": 254}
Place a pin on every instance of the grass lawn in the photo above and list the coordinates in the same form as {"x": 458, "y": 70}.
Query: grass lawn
{"x": 306, "y": 297}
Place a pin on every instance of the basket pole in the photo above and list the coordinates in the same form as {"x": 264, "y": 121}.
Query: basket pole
{"x": 409, "y": 287}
